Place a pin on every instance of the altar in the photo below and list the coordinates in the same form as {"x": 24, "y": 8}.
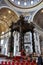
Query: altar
{"x": 22, "y": 36}
{"x": 24, "y": 29}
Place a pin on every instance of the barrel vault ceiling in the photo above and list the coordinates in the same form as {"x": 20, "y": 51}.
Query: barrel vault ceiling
{"x": 6, "y": 17}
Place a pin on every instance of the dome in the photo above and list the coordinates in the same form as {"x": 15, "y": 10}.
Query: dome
{"x": 24, "y": 3}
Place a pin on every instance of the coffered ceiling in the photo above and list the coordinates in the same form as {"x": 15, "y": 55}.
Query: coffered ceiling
{"x": 6, "y": 17}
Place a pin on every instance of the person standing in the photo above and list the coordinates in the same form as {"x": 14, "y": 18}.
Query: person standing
{"x": 39, "y": 60}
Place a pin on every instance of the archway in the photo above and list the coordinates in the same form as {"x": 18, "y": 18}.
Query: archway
{"x": 7, "y": 15}
{"x": 38, "y": 20}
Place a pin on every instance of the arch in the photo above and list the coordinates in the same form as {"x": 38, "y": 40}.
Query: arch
{"x": 36, "y": 13}
{"x": 6, "y": 7}
{"x": 39, "y": 29}
{"x": 10, "y": 9}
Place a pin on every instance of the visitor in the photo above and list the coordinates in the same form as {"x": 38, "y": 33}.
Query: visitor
{"x": 29, "y": 60}
{"x": 39, "y": 60}
{"x": 23, "y": 52}
{"x": 33, "y": 61}
{"x": 30, "y": 57}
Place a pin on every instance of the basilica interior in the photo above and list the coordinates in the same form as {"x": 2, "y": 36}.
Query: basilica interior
{"x": 21, "y": 27}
